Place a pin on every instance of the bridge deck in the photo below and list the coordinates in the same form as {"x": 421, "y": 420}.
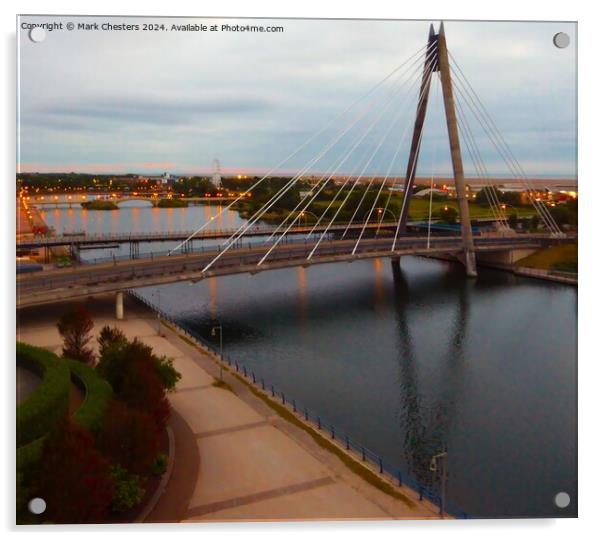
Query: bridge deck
{"x": 47, "y": 286}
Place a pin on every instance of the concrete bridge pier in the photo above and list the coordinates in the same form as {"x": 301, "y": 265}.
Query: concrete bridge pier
{"x": 470, "y": 263}
{"x": 119, "y": 305}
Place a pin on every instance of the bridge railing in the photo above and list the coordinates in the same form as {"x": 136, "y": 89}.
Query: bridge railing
{"x": 386, "y": 470}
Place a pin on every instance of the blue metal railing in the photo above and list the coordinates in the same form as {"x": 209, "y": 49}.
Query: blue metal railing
{"x": 384, "y": 468}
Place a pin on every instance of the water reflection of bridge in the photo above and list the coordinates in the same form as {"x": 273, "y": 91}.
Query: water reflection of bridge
{"x": 426, "y": 427}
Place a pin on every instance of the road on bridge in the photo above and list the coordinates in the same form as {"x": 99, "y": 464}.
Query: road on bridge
{"x": 50, "y": 285}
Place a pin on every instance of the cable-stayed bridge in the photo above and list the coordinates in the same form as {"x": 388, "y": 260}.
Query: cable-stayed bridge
{"x": 344, "y": 228}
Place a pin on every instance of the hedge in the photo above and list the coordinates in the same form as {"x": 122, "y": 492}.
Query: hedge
{"x": 98, "y": 394}
{"x": 49, "y": 401}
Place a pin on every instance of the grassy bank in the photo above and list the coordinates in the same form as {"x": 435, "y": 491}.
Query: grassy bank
{"x": 419, "y": 210}
{"x": 562, "y": 258}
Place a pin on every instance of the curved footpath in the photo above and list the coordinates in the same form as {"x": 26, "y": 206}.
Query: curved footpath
{"x": 235, "y": 458}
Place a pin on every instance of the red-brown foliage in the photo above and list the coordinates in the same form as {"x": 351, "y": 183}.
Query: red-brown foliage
{"x": 141, "y": 389}
{"x": 73, "y": 477}
{"x": 75, "y": 328}
{"x": 129, "y": 438}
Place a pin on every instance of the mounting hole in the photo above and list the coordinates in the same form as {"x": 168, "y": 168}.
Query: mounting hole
{"x": 562, "y": 499}
{"x": 37, "y": 34}
{"x": 561, "y": 40}
{"x": 37, "y": 505}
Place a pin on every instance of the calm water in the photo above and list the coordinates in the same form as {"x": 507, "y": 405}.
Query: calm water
{"x": 137, "y": 216}
{"x": 407, "y": 362}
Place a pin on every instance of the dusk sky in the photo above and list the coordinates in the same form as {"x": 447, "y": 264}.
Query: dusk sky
{"x": 148, "y": 102}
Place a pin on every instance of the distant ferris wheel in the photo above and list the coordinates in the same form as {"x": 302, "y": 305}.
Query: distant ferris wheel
{"x": 216, "y": 178}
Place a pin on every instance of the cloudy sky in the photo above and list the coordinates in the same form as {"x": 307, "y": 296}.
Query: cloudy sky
{"x": 119, "y": 101}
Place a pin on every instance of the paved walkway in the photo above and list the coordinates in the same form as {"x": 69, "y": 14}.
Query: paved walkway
{"x": 235, "y": 458}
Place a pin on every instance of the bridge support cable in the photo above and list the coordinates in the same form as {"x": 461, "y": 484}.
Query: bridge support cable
{"x": 281, "y": 192}
{"x": 297, "y": 177}
{"x": 546, "y": 218}
{"x": 496, "y": 137}
{"x": 324, "y": 184}
{"x": 314, "y": 136}
{"x": 303, "y": 205}
{"x": 383, "y": 183}
{"x": 335, "y": 198}
{"x": 497, "y": 212}
{"x": 521, "y": 175}
{"x": 402, "y": 140}
{"x": 366, "y": 191}
{"x": 346, "y": 199}
{"x": 479, "y": 164}
{"x": 325, "y": 178}
{"x": 245, "y": 227}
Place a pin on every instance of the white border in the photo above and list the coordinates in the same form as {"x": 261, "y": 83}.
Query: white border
{"x": 589, "y": 298}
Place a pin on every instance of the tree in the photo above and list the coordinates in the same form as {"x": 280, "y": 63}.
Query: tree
{"x": 73, "y": 479}
{"x": 141, "y": 389}
{"x": 75, "y": 328}
{"x": 534, "y": 222}
{"x": 513, "y": 198}
{"x": 115, "y": 362}
{"x": 109, "y": 337}
{"x": 167, "y": 373}
{"x": 129, "y": 438}
{"x": 487, "y": 193}
{"x": 448, "y": 214}
{"x": 561, "y": 215}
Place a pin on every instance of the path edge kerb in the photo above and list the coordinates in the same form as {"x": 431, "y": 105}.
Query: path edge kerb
{"x": 152, "y": 503}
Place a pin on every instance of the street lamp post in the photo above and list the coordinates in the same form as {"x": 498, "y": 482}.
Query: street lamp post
{"x": 214, "y": 330}
{"x": 442, "y": 457}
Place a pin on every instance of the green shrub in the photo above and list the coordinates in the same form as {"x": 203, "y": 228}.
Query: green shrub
{"x": 166, "y": 372}
{"x": 47, "y": 410}
{"x": 110, "y": 337}
{"x": 98, "y": 395}
{"x": 160, "y": 465}
{"x": 29, "y": 454}
{"x": 127, "y": 489}
{"x": 120, "y": 357}
{"x": 448, "y": 214}
{"x": 49, "y": 402}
